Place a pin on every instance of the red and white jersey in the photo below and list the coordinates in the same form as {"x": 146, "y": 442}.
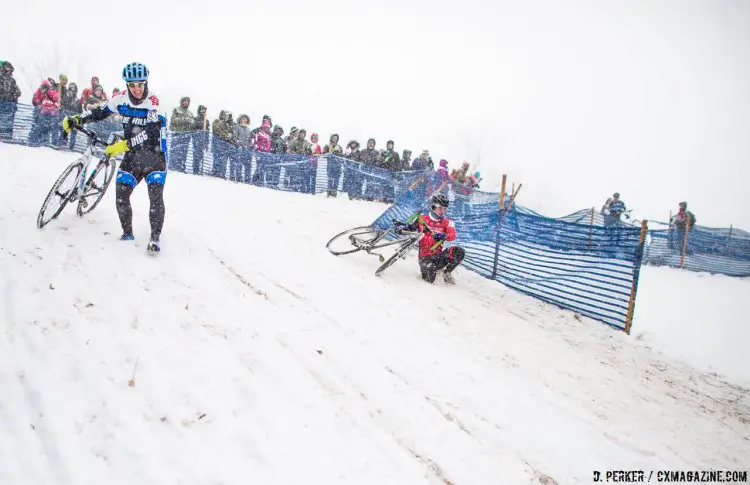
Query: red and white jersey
{"x": 443, "y": 225}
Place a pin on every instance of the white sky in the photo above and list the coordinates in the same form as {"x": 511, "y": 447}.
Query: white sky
{"x": 574, "y": 99}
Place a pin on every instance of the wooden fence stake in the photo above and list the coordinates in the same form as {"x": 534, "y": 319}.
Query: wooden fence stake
{"x": 502, "y": 195}
{"x": 591, "y": 225}
{"x": 501, "y": 205}
{"x": 636, "y": 274}
{"x": 684, "y": 245}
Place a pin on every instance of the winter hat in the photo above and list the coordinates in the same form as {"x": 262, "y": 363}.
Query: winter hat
{"x": 63, "y": 77}
{"x": 293, "y": 130}
{"x": 314, "y": 135}
{"x": 477, "y": 174}
{"x": 444, "y": 163}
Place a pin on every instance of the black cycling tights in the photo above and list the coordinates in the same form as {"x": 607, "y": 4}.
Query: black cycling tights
{"x": 155, "y": 214}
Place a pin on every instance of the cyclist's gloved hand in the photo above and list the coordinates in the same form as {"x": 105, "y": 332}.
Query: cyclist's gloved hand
{"x": 70, "y": 122}
{"x": 406, "y": 227}
{"x": 117, "y": 148}
{"x": 439, "y": 236}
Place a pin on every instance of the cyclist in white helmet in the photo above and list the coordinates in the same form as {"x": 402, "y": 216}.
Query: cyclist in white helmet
{"x": 144, "y": 148}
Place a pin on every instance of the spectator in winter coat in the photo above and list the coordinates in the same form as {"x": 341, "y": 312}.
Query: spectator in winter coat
{"x": 263, "y": 137}
{"x": 70, "y": 104}
{"x": 182, "y": 118}
{"x": 278, "y": 144}
{"x": 9, "y": 94}
{"x": 62, "y": 88}
{"x": 333, "y": 146}
{"x": 459, "y": 175}
{"x": 181, "y": 123}
{"x": 682, "y": 222}
{"x": 352, "y": 173}
{"x": 613, "y": 209}
{"x": 291, "y": 137}
{"x": 115, "y": 92}
{"x": 8, "y": 88}
{"x": 473, "y": 180}
{"x": 254, "y": 132}
{"x": 684, "y": 219}
{"x": 90, "y": 91}
{"x": 314, "y": 145}
{"x": 221, "y": 144}
{"x": 369, "y": 155}
{"x": 406, "y": 160}
{"x": 47, "y": 102}
{"x": 389, "y": 157}
{"x": 241, "y": 161}
{"x": 200, "y": 138}
{"x": 267, "y": 171}
{"x": 352, "y": 151}
{"x": 334, "y": 164}
{"x": 442, "y": 172}
{"x": 299, "y": 145}
{"x": 96, "y": 99}
{"x": 421, "y": 163}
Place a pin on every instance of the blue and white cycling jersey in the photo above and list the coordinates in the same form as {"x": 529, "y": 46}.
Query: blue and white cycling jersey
{"x": 144, "y": 123}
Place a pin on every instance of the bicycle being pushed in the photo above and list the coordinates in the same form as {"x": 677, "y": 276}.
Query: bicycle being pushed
{"x": 371, "y": 240}
{"x": 77, "y": 184}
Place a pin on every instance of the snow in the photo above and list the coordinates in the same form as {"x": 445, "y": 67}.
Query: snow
{"x": 258, "y": 357}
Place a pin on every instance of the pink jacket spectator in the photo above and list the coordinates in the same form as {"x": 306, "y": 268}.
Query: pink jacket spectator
{"x": 442, "y": 172}
{"x": 48, "y": 101}
{"x": 263, "y": 138}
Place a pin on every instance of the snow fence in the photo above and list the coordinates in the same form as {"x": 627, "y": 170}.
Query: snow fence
{"x": 591, "y": 270}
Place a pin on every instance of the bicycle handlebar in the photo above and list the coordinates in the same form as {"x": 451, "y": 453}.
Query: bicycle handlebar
{"x": 94, "y": 138}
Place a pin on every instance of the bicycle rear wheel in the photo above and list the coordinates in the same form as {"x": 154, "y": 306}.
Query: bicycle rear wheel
{"x": 59, "y": 195}
{"x": 401, "y": 252}
{"x": 352, "y": 240}
{"x": 95, "y": 188}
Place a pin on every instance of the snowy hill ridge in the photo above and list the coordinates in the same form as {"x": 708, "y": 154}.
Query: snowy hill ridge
{"x": 257, "y": 357}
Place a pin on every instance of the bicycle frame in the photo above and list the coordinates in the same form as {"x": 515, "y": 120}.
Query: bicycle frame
{"x": 88, "y": 155}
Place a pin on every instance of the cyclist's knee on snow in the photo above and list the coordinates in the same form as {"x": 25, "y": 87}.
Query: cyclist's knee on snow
{"x": 457, "y": 253}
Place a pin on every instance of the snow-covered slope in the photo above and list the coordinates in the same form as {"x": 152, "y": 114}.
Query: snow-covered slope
{"x": 258, "y": 357}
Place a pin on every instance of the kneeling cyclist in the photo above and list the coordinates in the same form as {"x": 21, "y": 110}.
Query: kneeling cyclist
{"x": 438, "y": 229}
{"x": 144, "y": 146}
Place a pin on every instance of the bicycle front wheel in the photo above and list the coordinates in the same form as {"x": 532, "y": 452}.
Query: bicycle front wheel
{"x": 400, "y": 252}
{"x": 59, "y": 194}
{"x": 96, "y": 186}
{"x": 353, "y": 240}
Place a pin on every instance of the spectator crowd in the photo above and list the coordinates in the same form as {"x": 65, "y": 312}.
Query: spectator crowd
{"x": 233, "y": 142}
